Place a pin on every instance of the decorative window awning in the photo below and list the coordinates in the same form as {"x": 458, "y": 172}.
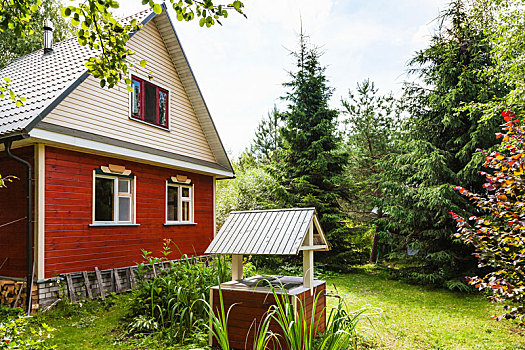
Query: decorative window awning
{"x": 179, "y": 180}
{"x": 115, "y": 170}
{"x": 269, "y": 232}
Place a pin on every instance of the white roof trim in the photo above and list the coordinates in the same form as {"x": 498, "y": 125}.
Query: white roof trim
{"x": 81, "y": 144}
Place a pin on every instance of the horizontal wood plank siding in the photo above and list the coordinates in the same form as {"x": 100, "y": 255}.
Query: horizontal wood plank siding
{"x": 105, "y": 112}
{"x": 72, "y": 245}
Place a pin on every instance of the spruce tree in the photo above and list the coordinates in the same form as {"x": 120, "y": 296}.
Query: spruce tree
{"x": 439, "y": 151}
{"x": 267, "y": 140}
{"x": 311, "y": 162}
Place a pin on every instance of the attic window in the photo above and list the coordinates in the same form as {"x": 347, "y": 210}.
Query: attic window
{"x": 149, "y": 102}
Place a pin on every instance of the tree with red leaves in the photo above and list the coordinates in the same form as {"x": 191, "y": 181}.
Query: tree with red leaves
{"x": 499, "y": 236}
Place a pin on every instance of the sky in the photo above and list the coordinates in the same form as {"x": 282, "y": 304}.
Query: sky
{"x": 241, "y": 65}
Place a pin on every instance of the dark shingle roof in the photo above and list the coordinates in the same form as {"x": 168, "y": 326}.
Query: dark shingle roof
{"x": 42, "y": 78}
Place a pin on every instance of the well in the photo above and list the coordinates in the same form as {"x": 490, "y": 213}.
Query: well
{"x": 268, "y": 232}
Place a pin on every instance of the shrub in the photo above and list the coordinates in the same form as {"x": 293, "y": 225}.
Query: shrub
{"x": 16, "y": 333}
{"x": 7, "y": 312}
{"x": 167, "y": 303}
{"x": 499, "y": 236}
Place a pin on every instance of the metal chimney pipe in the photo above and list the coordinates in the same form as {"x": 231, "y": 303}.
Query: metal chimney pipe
{"x": 48, "y": 36}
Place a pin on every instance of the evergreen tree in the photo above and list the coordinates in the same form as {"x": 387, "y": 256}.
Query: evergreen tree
{"x": 439, "y": 151}
{"x": 372, "y": 129}
{"x": 311, "y": 163}
{"x": 267, "y": 139}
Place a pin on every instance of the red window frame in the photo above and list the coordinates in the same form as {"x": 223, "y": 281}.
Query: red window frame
{"x": 142, "y": 103}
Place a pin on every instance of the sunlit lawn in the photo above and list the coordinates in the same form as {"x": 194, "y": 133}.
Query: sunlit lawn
{"x": 401, "y": 316}
{"x": 413, "y": 317}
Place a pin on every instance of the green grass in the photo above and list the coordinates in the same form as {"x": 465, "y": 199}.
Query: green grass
{"x": 411, "y": 317}
{"x": 98, "y": 325}
{"x": 414, "y": 317}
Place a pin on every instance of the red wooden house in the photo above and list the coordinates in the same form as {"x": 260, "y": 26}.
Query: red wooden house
{"x": 112, "y": 171}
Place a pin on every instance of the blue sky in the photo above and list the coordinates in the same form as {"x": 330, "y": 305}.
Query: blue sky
{"x": 240, "y": 66}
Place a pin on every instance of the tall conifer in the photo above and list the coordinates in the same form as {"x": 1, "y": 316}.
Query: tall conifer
{"x": 312, "y": 163}
{"x": 440, "y": 149}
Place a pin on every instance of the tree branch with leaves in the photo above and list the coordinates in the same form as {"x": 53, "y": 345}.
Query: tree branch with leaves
{"x": 97, "y": 27}
{"x": 498, "y": 236}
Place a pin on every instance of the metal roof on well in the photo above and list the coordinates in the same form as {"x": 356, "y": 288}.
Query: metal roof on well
{"x": 263, "y": 232}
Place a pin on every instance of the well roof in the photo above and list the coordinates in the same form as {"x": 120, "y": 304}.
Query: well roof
{"x": 268, "y": 232}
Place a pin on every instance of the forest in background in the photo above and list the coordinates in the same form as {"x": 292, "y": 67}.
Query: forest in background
{"x": 382, "y": 171}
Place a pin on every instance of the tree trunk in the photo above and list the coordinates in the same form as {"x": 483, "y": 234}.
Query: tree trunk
{"x": 373, "y": 253}
{"x": 375, "y": 242}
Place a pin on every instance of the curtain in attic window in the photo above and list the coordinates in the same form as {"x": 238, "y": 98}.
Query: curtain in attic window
{"x": 163, "y": 97}
{"x": 135, "y": 103}
{"x": 150, "y": 104}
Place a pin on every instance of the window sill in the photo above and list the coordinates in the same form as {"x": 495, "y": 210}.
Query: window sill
{"x": 150, "y": 124}
{"x": 111, "y": 225}
{"x": 180, "y": 224}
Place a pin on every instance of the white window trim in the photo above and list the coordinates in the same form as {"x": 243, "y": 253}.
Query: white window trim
{"x": 133, "y": 206}
{"x": 179, "y": 205}
{"x": 130, "y": 98}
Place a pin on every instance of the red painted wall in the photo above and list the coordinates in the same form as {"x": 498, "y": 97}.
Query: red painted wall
{"x": 71, "y": 245}
{"x": 13, "y": 207}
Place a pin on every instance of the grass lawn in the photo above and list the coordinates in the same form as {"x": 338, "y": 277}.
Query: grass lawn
{"x": 411, "y": 317}
{"x": 97, "y": 325}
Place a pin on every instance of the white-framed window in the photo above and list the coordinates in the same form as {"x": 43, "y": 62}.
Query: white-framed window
{"x": 113, "y": 199}
{"x": 179, "y": 203}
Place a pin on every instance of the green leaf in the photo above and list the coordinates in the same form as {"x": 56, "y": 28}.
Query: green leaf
{"x": 143, "y": 63}
{"x": 102, "y": 83}
{"x": 157, "y": 9}
{"x": 65, "y": 12}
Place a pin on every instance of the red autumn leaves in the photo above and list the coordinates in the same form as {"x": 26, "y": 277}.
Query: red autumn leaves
{"x": 499, "y": 237}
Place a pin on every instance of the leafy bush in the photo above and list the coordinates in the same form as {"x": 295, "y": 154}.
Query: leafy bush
{"x": 168, "y": 302}
{"x": 17, "y": 333}
{"x": 6, "y": 312}
{"x": 252, "y": 188}
{"x": 499, "y": 236}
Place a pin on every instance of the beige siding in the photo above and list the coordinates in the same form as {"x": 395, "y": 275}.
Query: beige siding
{"x": 106, "y": 111}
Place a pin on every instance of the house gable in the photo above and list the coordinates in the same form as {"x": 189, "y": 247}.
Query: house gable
{"x": 90, "y": 108}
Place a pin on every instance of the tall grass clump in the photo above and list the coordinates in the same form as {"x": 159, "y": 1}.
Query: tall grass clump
{"x": 287, "y": 325}
{"x": 301, "y": 333}
{"x": 164, "y": 301}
